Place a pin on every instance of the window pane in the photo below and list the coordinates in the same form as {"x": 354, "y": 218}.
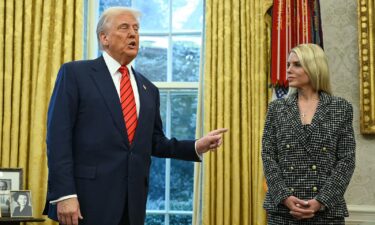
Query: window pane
{"x": 187, "y": 15}
{"x": 104, "y": 4}
{"x": 182, "y": 180}
{"x": 180, "y": 219}
{"x": 186, "y": 56}
{"x": 156, "y": 194}
{"x": 183, "y": 113}
{"x": 152, "y": 58}
{"x": 154, "y": 15}
{"x": 156, "y": 190}
{"x": 154, "y": 219}
{"x": 183, "y": 116}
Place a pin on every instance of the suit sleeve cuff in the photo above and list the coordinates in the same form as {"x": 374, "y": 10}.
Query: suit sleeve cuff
{"x": 62, "y": 198}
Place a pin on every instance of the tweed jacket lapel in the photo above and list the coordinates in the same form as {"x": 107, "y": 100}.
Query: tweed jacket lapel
{"x": 293, "y": 116}
{"x": 322, "y": 112}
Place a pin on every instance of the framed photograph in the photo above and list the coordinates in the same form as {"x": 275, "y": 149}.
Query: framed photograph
{"x": 4, "y": 202}
{"x": 20, "y": 204}
{"x": 11, "y": 179}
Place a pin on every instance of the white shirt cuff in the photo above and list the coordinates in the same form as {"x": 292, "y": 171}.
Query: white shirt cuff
{"x": 199, "y": 155}
{"x": 62, "y": 198}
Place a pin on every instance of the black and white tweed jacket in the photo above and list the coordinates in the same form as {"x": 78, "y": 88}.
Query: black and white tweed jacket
{"x": 309, "y": 161}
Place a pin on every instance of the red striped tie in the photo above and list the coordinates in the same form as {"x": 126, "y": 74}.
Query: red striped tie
{"x": 128, "y": 106}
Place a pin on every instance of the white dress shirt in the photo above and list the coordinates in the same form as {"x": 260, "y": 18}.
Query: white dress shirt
{"x": 113, "y": 67}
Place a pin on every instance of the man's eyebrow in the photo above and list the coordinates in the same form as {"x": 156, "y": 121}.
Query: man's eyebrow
{"x": 126, "y": 23}
{"x": 122, "y": 24}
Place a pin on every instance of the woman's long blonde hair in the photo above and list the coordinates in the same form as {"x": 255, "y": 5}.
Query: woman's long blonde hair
{"x": 314, "y": 61}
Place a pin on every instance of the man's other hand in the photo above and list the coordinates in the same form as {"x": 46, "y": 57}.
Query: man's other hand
{"x": 68, "y": 211}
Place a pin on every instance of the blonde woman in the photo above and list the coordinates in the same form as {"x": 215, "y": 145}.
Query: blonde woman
{"x": 308, "y": 146}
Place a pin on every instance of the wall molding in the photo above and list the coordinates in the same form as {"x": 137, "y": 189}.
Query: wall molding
{"x": 366, "y": 37}
{"x": 361, "y": 215}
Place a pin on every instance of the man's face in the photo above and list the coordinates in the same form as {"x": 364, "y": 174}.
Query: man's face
{"x": 3, "y": 185}
{"x": 121, "y": 38}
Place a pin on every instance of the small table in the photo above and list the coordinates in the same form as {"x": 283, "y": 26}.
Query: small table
{"x": 17, "y": 221}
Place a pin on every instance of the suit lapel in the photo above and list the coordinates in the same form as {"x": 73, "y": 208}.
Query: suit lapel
{"x": 293, "y": 116}
{"x": 104, "y": 83}
{"x": 143, "y": 102}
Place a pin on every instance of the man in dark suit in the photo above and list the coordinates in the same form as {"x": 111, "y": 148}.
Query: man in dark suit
{"x": 103, "y": 126}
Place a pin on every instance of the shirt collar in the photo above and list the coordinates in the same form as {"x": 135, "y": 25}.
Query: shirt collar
{"x": 112, "y": 64}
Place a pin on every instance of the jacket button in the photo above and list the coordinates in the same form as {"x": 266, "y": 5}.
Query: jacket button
{"x": 287, "y": 146}
{"x": 324, "y": 149}
{"x": 313, "y": 167}
{"x": 291, "y": 189}
{"x": 291, "y": 168}
{"x": 315, "y": 189}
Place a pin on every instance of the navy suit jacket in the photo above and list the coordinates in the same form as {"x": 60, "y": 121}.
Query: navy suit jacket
{"x": 88, "y": 149}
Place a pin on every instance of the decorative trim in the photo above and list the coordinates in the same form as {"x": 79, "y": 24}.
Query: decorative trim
{"x": 366, "y": 45}
{"x": 361, "y": 215}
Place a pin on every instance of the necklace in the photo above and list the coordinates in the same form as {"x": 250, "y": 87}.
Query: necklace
{"x": 312, "y": 101}
{"x": 303, "y": 119}
{"x": 307, "y": 107}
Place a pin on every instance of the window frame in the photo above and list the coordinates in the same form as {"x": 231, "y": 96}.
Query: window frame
{"x": 91, "y": 51}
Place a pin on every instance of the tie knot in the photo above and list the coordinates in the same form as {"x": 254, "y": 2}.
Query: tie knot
{"x": 123, "y": 70}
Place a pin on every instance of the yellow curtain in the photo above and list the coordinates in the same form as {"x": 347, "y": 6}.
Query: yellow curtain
{"x": 36, "y": 37}
{"x": 236, "y": 68}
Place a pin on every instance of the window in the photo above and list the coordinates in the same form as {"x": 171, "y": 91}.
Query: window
{"x": 169, "y": 55}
